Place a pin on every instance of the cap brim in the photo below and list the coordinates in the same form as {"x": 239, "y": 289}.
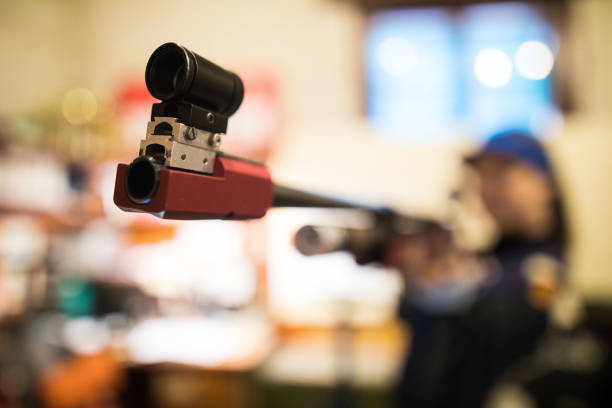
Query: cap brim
{"x": 474, "y": 158}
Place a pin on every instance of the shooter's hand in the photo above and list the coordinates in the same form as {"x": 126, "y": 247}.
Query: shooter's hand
{"x": 439, "y": 276}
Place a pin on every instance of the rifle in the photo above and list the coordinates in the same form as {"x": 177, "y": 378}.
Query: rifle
{"x": 181, "y": 173}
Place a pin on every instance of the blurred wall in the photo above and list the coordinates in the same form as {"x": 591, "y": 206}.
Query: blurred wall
{"x": 308, "y": 43}
{"x": 40, "y": 49}
{"x": 314, "y": 46}
{"x": 585, "y": 148}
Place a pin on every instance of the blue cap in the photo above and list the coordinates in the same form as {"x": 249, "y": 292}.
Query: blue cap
{"x": 516, "y": 145}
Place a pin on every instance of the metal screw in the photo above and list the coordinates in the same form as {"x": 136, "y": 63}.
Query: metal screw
{"x": 205, "y": 161}
{"x": 183, "y": 156}
{"x": 210, "y": 118}
{"x": 190, "y": 133}
{"x": 214, "y": 140}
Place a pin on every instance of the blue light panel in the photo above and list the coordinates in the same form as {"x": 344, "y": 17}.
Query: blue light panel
{"x": 421, "y": 83}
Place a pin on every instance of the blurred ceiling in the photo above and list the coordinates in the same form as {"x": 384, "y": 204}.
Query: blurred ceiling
{"x": 379, "y": 4}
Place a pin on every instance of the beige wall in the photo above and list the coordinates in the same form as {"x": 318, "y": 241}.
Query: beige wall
{"x": 584, "y": 154}
{"x": 584, "y": 151}
{"x": 311, "y": 44}
{"x": 39, "y": 46}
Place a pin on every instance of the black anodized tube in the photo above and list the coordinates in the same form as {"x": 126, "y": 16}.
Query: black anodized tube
{"x": 175, "y": 74}
{"x": 290, "y": 197}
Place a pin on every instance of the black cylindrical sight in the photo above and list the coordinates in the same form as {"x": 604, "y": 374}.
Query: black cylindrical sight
{"x": 176, "y": 74}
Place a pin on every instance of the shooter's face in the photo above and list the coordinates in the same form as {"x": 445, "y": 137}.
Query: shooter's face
{"x": 516, "y": 195}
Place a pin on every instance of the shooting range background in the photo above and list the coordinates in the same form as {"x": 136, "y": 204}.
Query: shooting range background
{"x": 309, "y": 57}
{"x": 314, "y": 49}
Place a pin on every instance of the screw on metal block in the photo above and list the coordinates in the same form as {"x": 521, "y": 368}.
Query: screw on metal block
{"x": 190, "y": 133}
{"x": 214, "y": 140}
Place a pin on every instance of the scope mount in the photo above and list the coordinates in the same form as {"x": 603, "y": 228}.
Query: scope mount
{"x": 184, "y": 136}
{"x": 191, "y": 115}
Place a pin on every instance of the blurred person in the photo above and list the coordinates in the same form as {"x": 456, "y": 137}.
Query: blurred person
{"x": 474, "y": 317}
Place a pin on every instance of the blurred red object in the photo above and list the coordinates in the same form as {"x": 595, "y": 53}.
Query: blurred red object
{"x": 133, "y": 103}
{"x": 255, "y": 128}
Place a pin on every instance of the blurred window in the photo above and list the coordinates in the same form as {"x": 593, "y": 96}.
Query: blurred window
{"x": 432, "y": 74}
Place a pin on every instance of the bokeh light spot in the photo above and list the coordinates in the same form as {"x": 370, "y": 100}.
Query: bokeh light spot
{"x": 79, "y": 106}
{"x": 493, "y": 67}
{"x": 534, "y": 60}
